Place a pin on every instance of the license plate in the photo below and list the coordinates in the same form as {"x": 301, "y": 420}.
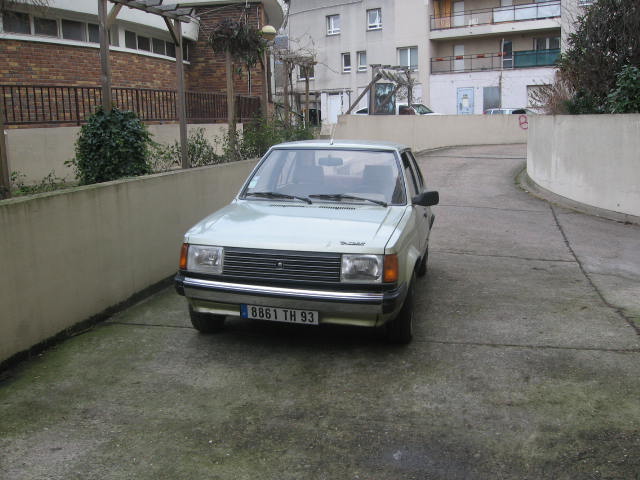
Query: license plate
{"x": 273, "y": 314}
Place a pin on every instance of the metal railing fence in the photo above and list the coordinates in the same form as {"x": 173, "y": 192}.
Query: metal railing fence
{"x": 486, "y": 16}
{"x": 494, "y": 61}
{"x": 55, "y": 104}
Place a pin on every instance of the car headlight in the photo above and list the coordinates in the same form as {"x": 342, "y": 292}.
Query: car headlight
{"x": 361, "y": 268}
{"x": 205, "y": 259}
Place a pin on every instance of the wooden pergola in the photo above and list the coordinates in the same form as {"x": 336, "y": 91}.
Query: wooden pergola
{"x": 173, "y": 15}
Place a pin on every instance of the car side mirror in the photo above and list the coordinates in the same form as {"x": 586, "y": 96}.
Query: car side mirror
{"x": 426, "y": 199}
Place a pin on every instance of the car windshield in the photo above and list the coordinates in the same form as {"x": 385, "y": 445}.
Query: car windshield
{"x": 328, "y": 175}
{"x": 421, "y": 109}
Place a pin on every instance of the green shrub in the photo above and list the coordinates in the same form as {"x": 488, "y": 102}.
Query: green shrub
{"x": 583, "y": 103}
{"x": 110, "y": 146}
{"x": 49, "y": 183}
{"x": 199, "y": 151}
{"x": 261, "y": 133}
{"x": 625, "y": 98}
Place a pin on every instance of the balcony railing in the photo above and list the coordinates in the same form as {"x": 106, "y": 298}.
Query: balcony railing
{"x": 494, "y": 61}
{"x": 487, "y": 16}
{"x": 38, "y": 104}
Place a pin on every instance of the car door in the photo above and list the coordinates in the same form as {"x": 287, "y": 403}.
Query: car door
{"x": 423, "y": 188}
{"x": 421, "y": 214}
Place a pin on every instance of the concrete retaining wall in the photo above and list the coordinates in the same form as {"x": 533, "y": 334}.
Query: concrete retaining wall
{"x": 69, "y": 255}
{"x": 591, "y": 159}
{"x": 36, "y": 152}
{"x": 423, "y": 132}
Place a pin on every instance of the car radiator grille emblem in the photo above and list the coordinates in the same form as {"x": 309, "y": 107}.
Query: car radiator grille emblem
{"x": 279, "y": 266}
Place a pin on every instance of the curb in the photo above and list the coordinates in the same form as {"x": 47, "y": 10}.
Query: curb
{"x": 528, "y": 185}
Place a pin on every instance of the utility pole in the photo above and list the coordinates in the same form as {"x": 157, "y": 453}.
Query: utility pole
{"x": 285, "y": 92}
{"x": 105, "y": 66}
{"x": 372, "y": 89}
{"x": 231, "y": 103}
{"x": 5, "y": 182}
{"x": 306, "y": 99}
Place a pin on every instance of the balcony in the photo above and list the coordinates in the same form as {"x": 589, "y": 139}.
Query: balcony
{"x": 479, "y": 62}
{"x": 486, "y": 21}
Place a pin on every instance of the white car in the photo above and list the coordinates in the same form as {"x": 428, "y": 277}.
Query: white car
{"x": 322, "y": 232}
{"x": 417, "y": 108}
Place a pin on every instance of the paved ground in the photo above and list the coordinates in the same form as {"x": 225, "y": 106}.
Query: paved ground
{"x": 525, "y": 365}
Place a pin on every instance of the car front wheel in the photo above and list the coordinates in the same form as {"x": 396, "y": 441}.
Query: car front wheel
{"x": 206, "y": 322}
{"x": 400, "y": 329}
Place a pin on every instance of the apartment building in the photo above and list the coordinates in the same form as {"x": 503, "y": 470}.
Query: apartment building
{"x": 491, "y": 53}
{"x": 346, "y": 37}
{"x": 469, "y": 55}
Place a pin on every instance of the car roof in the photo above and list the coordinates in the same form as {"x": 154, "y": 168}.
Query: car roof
{"x": 348, "y": 144}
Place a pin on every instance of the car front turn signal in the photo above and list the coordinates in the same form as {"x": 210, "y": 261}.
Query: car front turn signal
{"x": 183, "y": 256}
{"x": 390, "y": 268}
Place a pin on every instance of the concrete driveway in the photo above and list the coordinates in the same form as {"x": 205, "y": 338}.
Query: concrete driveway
{"x": 525, "y": 365}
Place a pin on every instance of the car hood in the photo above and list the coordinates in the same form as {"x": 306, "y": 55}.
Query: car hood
{"x": 330, "y": 227}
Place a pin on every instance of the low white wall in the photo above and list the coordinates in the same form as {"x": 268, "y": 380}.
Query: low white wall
{"x": 36, "y": 152}
{"x": 423, "y": 132}
{"x": 69, "y": 255}
{"x": 591, "y": 159}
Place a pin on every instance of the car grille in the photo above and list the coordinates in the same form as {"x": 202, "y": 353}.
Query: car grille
{"x": 282, "y": 265}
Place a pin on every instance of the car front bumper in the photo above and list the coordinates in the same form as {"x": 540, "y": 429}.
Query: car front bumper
{"x": 359, "y": 308}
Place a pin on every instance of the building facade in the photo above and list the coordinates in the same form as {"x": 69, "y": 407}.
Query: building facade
{"x": 59, "y": 46}
{"x": 469, "y": 55}
{"x": 347, "y": 37}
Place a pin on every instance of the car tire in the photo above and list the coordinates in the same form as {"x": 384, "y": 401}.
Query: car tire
{"x": 421, "y": 271}
{"x": 400, "y": 329}
{"x": 206, "y": 322}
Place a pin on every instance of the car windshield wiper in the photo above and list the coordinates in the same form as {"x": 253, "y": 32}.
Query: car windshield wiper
{"x": 278, "y": 195}
{"x": 342, "y": 196}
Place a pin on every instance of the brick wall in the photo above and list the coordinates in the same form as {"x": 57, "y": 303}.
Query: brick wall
{"x": 40, "y": 63}
{"x": 207, "y": 70}
{"x": 36, "y": 63}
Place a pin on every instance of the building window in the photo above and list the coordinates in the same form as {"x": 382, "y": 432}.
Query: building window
{"x": 305, "y": 72}
{"x": 144, "y": 43}
{"x": 362, "y": 61}
{"x": 346, "y": 62}
{"x": 507, "y": 54}
{"x": 155, "y": 45}
{"x": 94, "y": 32}
{"x": 408, "y": 57}
{"x": 374, "y": 19}
{"x": 45, "y": 26}
{"x": 333, "y": 24}
{"x": 130, "y": 40}
{"x": 74, "y": 30}
{"x": 546, "y": 43}
{"x": 14, "y": 22}
{"x": 158, "y": 46}
{"x": 171, "y": 49}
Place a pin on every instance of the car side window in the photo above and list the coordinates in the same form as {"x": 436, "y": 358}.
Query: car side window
{"x": 413, "y": 184}
{"x": 416, "y": 168}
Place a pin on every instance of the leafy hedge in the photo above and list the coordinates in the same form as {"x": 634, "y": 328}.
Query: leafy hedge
{"x": 110, "y": 146}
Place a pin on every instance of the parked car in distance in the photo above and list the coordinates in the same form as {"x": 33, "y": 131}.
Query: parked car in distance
{"x": 322, "y": 232}
{"x": 417, "y": 108}
{"x": 506, "y": 111}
